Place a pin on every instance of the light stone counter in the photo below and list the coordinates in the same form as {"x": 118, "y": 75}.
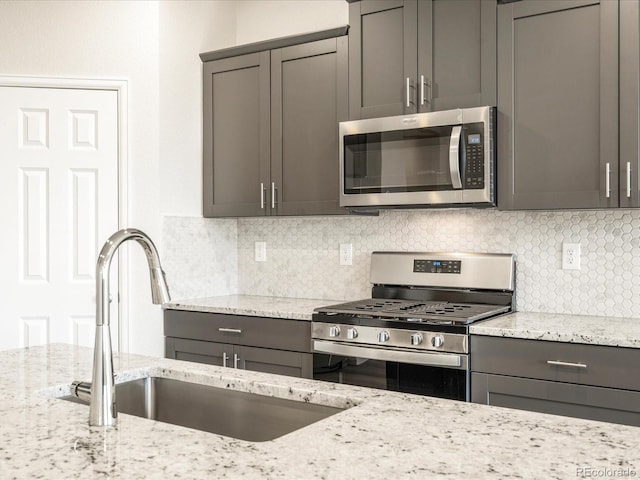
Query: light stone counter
{"x": 255, "y": 306}
{"x": 383, "y": 435}
{"x": 616, "y": 332}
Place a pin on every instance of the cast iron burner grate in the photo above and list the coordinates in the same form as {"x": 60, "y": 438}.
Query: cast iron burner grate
{"x": 411, "y": 310}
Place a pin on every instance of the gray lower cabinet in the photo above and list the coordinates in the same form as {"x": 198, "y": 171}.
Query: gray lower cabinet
{"x": 269, "y": 345}
{"x": 270, "y": 130}
{"x": 408, "y": 56}
{"x": 558, "y": 74}
{"x": 584, "y": 381}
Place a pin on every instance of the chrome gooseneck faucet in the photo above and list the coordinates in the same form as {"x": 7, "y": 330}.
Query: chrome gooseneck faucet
{"x": 101, "y": 391}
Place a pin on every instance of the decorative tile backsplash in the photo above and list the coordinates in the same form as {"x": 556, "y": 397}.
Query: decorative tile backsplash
{"x": 199, "y": 256}
{"x": 302, "y": 254}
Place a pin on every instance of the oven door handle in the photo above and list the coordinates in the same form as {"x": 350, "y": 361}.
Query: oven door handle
{"x": 449, "y": 360}
{"x": 454, "y": 157}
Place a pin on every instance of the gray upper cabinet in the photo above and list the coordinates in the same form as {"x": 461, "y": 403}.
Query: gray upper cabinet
{"x": 629, "y": 104}
{"x": 408, "y": 56}
{"x": 309, "y": 95}
{"x": 270, "y": 122}
{"x": 558, "y": 104}
{"x": 236, "y": 135}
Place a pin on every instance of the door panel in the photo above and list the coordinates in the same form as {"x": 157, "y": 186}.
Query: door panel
{"x": 304, "y": 144}
{"x": 580, "y": 401}
{"x": 279, "y": 362}
{"x": 457, "y": 54}
{"x": 59, "y": 199}
{"x": 211, "y": 353}
{"x": 236, "y": 139}
{"x": 383, "y": 54}
{"x": 558, "y": 105}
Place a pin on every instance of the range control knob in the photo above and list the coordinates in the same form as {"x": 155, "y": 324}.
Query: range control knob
{"x": 352, "y": 333}
{"x": 334, "y": 331}
{"x": 437, "y": 341}
{"x": 416, "y": 338}
{"x": 383, "y": 336}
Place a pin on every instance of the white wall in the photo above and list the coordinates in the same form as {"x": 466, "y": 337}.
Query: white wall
{"x": 154, "y": 46}
{"x": 187, "y": 28}
{"x": 117, "y": 40}
{"x": 259, "y": 20}
{"x": 199, "y": 256}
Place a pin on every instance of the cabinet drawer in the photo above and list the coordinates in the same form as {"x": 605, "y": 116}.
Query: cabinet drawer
{"x": 562, "y": 362}
{"x": 283, "y": 334}
{"x": 580, "y": 401}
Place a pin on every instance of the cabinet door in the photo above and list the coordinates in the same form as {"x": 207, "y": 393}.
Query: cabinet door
{"x": 580, "y": 401}
{"x": 629, "y": 104}
{"x": 382, "y": 58}
{"x": 293, "y": 364}
{"x": 558, "y": 104}
{"x": 236, "y": 136}
{"x": 456, "y": 54}
{"x": 212, "y": 353}
{"x": 309, "y": 95}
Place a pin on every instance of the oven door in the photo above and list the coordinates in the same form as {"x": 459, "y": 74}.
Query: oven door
{"x": 424, "y": 159}
{"x": 442, "y": 375}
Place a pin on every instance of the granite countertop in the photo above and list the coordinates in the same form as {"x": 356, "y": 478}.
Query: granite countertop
{"x": 253, "y": 305}
{"x": 611, "y": 331}
{"x": 383, "y": 435}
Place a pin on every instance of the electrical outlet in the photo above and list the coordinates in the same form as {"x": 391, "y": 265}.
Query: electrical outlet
{"x": 570, "y": 256}
{"x": 261, "y": 252}
{"x": 346, "y": 254}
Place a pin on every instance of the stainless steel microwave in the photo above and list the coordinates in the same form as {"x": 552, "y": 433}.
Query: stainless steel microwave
{"x": 433, "y": 159}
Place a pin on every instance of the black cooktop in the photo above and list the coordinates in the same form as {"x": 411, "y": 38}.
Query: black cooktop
{"x": 412, "y": 311}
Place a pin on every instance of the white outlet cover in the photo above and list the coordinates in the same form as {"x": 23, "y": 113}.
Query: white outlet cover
{"x": 261, "y": 252}
{"x": 570, "y": 256}
{"x": 346, "y": 254}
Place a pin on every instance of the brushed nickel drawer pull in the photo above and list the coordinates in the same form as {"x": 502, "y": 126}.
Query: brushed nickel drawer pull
{"x": 566, "y": 364}
{"x": 230, "y": 330}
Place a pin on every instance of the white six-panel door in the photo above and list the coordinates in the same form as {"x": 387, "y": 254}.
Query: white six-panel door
{"x": 58, "y": 204}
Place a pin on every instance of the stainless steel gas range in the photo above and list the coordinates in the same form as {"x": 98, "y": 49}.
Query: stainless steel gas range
{"x": 413, "y": 334}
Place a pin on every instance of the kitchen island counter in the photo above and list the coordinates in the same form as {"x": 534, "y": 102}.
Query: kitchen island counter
{"x": 382, "y": 435}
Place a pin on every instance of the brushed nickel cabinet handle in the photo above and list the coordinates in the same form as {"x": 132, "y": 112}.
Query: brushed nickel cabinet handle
{"x": 628, "y": 179}
{"x": 262, "y": 196}
{"x": 230, "y": 330}
{"x": 236, "y": 360}
{"x": 607, "y": 179}
{"x": 273, "y": 194}
{"x": 566, "y": 364}
{"x": 421, "y": 89}
{"x": 225, "y": 357}
{"x": 408, "y": 92}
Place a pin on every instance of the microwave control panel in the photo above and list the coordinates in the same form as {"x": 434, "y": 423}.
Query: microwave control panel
{"x": 474, "y": 156}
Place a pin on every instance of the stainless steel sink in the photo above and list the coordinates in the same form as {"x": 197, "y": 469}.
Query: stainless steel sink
{"x": 246, "y": 416}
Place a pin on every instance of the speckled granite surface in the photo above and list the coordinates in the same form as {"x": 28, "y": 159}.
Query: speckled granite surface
{"x": 616, "y": 332}
{"x": 384, "y": 435}
{"x": 256, "y": 306}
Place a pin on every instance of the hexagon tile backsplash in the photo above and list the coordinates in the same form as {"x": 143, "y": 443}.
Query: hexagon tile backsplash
{"x": 302, "y": 254}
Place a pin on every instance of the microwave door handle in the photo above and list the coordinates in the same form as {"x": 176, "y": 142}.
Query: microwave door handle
{"x": 454, "y": 157}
